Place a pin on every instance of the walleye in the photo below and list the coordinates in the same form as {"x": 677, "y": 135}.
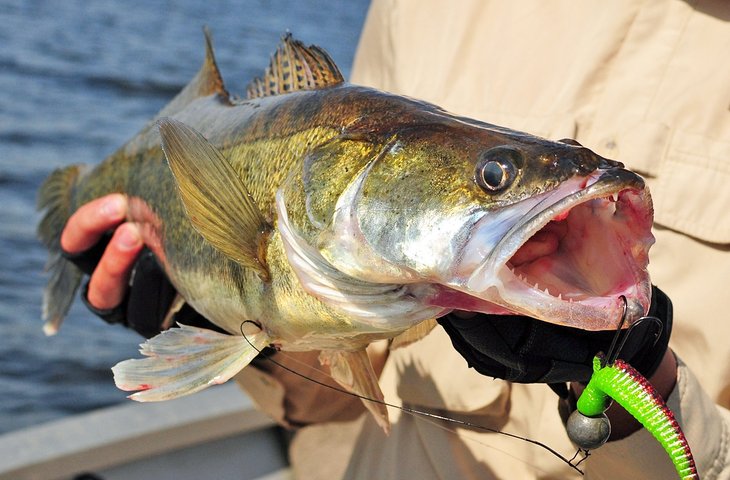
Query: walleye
{"x": 320, "y": 215}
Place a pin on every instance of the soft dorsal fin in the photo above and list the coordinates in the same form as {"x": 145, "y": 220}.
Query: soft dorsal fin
{"x": 215, "y": 198}
{"x": 293, "y": 67}
{"x": 207, "y": 81}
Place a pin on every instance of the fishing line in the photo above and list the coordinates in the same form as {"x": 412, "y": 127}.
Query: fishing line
{"x": 464, "y": 435}
{"x": 586, "y": 453}
{"x": 413, "y": 411}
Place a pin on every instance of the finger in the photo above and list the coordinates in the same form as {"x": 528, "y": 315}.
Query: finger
{"x": 91, "y": 221}
{"x": 109, "y": 282}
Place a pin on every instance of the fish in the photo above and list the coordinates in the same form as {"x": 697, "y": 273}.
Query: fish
{"x": 319, "y": 215}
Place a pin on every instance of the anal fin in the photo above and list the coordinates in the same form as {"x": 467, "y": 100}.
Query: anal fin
{"x": 177, "y": 304}
{"x": 186, "y": 360}
{"x": 354, "y": 372}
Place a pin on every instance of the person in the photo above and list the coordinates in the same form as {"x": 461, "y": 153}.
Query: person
{"x": 642, "y": 82}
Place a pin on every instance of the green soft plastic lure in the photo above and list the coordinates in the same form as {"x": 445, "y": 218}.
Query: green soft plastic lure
{"x": 621, "y": 382}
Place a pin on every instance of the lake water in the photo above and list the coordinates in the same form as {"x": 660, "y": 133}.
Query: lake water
{"x": 78, "y": 79}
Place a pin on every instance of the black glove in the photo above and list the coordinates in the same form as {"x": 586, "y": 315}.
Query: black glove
{"x": 148, "y": 299}
{"x": 524, "y": 350}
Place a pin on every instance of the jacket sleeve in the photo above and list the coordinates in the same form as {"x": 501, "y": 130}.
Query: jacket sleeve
{"x": 706, "y": 426}
{"x": 292, "y": 400}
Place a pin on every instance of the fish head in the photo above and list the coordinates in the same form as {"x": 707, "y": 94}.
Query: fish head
{"x": 499, "y": 222}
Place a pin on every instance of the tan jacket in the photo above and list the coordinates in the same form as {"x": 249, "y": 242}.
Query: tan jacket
{"x": 643, "y": 82}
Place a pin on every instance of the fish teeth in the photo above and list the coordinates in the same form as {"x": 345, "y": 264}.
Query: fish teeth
{"x": 560, "y": 296}
{"x": 546, "y": 291}
{"x": 613, "y": 197}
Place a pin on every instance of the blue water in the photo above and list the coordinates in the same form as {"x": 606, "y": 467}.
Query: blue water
{"x": 77, "y": 79}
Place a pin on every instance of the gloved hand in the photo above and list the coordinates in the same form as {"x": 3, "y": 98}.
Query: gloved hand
{"x": 134, "y": 285}
{"x": 148, "y": 299}
{"x": 524, "y": 350}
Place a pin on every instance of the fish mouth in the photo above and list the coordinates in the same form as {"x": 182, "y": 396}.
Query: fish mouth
{"x": 572, "y": 256}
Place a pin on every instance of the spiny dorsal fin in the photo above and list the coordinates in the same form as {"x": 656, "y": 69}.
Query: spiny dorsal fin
{"x": 207, "y": 81}
{"x": 295, "y": 67}
{"x": 216, "y": 200}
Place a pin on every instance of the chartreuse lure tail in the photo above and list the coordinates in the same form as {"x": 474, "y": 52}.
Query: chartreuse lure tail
{"x": 637, "y": 396}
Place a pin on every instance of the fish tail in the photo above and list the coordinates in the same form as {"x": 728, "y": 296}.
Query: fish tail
{"x": 55, "y": 198}
{"x": 185, "y": 360}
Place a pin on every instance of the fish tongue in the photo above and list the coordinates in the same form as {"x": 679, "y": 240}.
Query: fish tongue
{"x": 543, "y": 243}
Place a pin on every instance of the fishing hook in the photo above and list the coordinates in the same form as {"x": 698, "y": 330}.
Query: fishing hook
{"x": 613, "y": 379}
{"x": 617, "y": 345}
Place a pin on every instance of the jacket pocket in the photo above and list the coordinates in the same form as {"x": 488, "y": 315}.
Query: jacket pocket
{"x": 691, "y": 190}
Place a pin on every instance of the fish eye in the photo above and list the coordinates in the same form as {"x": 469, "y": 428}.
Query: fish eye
{"x": 497, "y": 169}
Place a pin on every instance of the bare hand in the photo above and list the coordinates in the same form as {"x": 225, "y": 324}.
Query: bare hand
{"x": 109, "y": 282}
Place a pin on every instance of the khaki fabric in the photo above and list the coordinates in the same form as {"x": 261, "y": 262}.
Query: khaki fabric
{"x": 643, "y": 82}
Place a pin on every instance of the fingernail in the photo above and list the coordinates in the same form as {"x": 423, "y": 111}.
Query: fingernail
{"x": 128, "y": 239}
{"x": 113, "y": 207}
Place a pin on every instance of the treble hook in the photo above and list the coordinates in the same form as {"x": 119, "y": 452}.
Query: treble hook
{"x": 613, "y": 350}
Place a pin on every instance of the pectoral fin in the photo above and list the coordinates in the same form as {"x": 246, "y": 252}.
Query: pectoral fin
{"x": 413, "y": 334}
{"x": 185, "y": 360}
{"x": 215, "y": 198}
{"x": 354, "y": 371}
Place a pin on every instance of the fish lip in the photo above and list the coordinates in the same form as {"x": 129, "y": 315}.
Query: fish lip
{"x": 493, "y": 280}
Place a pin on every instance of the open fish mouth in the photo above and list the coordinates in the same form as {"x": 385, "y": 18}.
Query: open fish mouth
{"x": 571, "y": 255}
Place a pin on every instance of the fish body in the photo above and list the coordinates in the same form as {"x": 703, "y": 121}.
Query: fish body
{"x": 319, "y": 215}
